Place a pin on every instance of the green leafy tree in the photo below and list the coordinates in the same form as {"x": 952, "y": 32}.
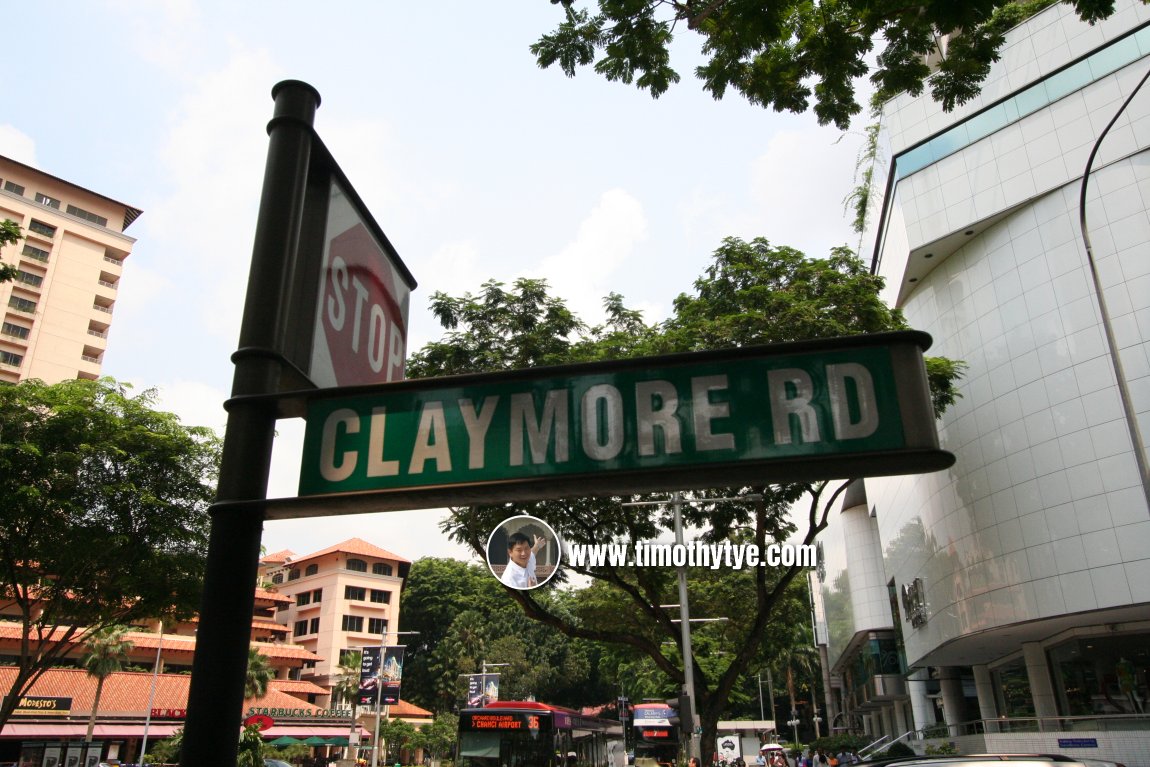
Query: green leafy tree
{"x": 166, "y": 751}
{"x": 751, "y": 293}
{"x": 787, "y": 54}
{"x": 251, "y": 751}
{"x": 104, "y": 519}
{"x": 9, "y": 235}
{"x": 347, "y": 684}
{"x": 106, "y": 650}
{"x": 438, "y": 738}
{"x": 259, "y": 674}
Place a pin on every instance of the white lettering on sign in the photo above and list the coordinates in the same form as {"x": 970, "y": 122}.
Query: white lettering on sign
{"x": 477, "y": 425}
{"x": 431, "y": 440}
{"x": 655, "y": 406}
{"x": 329, "y": 469}
{"x": 705, "y": 411}
{"x": 602, "y": 422}
{"x": 376, "y": 466}
{"x": 382, "y": 342}
{"x": 553, "y": 417}
{"x": 532, "y": 432}
{"x": 837, "y": 377}
{"x": 791, "y": 392}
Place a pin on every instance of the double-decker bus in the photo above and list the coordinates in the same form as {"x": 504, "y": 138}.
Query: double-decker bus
{"x": 656, "y": 739}
{"x": 531, "y": 734}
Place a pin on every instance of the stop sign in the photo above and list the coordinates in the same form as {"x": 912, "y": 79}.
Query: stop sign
{"x": 361, "y": 324}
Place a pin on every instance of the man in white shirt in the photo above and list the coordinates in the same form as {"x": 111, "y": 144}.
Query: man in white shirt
{"x": 520, "y": 570}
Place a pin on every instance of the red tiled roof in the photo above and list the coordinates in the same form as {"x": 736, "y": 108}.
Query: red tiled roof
{"x": 126, "y": 693}
{"x": 173, "y": 643}
{"x": 403, "y": 708}
{"x": 270, "y": 626}
{"x": 354, "y": 546}
{"x": 266, "y": 595}
{"x": 278, "y": 558}
{"x": 297, "y": 687}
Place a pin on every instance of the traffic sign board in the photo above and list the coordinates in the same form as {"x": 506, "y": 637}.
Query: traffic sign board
{"x": 843, "y": 407}
{"x": 361, "y": 321}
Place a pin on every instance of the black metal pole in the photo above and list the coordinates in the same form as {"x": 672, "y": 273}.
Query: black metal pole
{"x": 216, "y": 695}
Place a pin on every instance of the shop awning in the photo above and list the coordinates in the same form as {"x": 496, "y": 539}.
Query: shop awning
{"x": 76, "y": 730}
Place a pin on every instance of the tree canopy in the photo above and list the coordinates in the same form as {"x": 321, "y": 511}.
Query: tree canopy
{"x": 750, "y": 293}
{"x": 104, "y": 519}
{"x": 464, "y": 617}
{"x": 787, "y": 53}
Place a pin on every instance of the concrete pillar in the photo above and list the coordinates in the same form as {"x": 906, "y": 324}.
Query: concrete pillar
{"x": 1041, "y": 686}
{"x": 953, "y": 702}
{"x": 987, "y": 705}
{"x": 921, "y": 706}
{"x": 900, "y": 723}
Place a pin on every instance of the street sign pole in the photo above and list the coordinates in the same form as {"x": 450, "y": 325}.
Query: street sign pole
{"x": 216, "y": 694}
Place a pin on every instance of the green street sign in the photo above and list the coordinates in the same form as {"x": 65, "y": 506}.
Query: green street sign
{"x": 842, "y": 407}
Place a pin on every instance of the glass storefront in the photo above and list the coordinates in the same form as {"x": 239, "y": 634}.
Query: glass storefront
{"x": 1102, "y": 675}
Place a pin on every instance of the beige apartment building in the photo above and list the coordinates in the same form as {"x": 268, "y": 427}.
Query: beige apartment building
{"x": 58, "y": 310}
{"x": 344, "y": 598}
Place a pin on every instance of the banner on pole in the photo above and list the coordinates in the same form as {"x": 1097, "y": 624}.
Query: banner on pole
{"x": 380, "y": 674}
{"x": 482, "y": 689}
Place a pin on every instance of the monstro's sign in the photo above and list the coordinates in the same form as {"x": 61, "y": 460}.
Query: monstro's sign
{"x": 840, "y": 408}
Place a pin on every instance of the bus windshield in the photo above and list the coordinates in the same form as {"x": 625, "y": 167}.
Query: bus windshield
{"x": 506, "y": 740}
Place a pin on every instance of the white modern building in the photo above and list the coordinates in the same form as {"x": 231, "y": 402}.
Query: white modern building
{"x": 1004, "y": 604}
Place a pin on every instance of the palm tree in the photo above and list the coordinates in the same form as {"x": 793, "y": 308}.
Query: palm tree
{"x": 259, "y": 675}
{"x": 106, "y": 652}
{"x": 347, "y": 686}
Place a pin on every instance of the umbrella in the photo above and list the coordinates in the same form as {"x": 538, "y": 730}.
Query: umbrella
{"x": 337, "y": 741}
{"x": 284, "y": 740}
{"x": 315, "y": 740}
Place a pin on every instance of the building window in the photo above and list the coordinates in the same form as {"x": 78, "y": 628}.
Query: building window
{"x": 381, "y": 568}
{"x": 381, "y": 597}
{"x": 300, "y": 628}
{"x": 22, "y": 304}
{"x": 358, "y": 565}
{"x": 355, "y": 593}
{"x": 314, "y": 625}
{"x": 13, "y": 188}
{"x": 16, "y": 331}
{"x": 293, "y": 575}
{"x": 81, "y": 213}
{"x": 31, "y": 251}
{"x": 317, "y": 595}
{"x": 311, "y": 570}
{"x": 278, "y": 578}
{"x": 11, "y": 358}
{"x": 353, "y": 623}
{"x": 303, "y": 598}
{"x": 28, "y": 278}
{"x": 376, "y": 625}
{"x": 39, "y": 227}
{"x": 44, "y": 199}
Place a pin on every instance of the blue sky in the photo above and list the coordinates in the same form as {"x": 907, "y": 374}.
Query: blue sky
{"x": 476, "y": 163}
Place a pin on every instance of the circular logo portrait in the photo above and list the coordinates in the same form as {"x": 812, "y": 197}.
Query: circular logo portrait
{"x": 523, "y": 552}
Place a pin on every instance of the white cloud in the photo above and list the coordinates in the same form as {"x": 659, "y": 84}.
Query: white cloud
{"x": 196, "y": 403}
{"x": 17, "y": 145}
{"x": 799, "y": 185}
{"x": 581, "y": 272}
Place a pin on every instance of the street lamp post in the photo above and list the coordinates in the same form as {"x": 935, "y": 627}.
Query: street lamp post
{"x": 693, "y": 748}
{"x": 794, "y": 723}
{"x": 152, "y": 695}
